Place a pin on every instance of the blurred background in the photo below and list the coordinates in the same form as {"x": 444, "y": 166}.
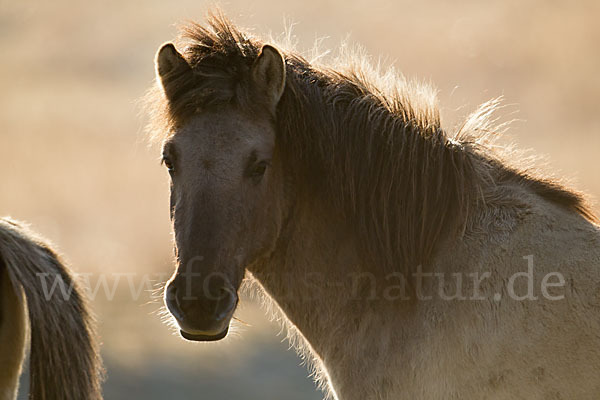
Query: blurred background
{"x": 77, "y": 165}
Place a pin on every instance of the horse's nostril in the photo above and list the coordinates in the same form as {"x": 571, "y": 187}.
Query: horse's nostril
{"x": 171, "y": 292}
{"x": 226, "y": 304}
{"x": 225, "y": 292}
{"x": 172, "y": 301}
{"x": 208, "y": 305}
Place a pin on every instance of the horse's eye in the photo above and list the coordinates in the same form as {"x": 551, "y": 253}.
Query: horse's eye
{"x": 258, "y": 170}
{"x": 168, "y": 163}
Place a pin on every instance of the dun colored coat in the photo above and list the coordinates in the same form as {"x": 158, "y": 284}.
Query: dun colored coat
{"x": 64, "y": 361}
{"x": 407, "y": 261}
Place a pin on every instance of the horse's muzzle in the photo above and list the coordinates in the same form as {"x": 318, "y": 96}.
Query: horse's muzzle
{"x": 203, "y": 317}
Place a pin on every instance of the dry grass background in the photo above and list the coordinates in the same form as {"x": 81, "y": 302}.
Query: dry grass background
{"x": 75, "y": 162}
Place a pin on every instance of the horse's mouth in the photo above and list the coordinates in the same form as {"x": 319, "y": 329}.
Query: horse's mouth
{"x": 199, "y": 337}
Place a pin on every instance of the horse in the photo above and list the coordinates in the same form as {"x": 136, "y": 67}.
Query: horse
{"x": 64, "y": 359}
{"x": 407, "y": 261}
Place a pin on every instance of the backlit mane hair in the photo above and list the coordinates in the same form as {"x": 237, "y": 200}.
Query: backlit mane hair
{"x": 371, "y": 146}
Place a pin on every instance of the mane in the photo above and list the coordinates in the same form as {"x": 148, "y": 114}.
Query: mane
{"x": 399, "y": 179}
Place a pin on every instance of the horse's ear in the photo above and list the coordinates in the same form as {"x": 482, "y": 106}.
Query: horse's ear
{"x": 170, "y": 64}
{"x": 268, "y": 73}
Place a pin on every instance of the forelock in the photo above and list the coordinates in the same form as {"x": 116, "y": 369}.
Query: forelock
{"x": 220, "y": 56}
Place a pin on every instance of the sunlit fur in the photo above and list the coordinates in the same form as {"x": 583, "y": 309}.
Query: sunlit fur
{"x": 383, "y": 188}
{"x": 339, "y": 120}
{"x": 64, "y": 361}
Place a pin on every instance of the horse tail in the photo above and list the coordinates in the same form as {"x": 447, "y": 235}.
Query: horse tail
{"x": 64, "y": 359}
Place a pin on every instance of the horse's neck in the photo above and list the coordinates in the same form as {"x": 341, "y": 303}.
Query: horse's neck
{"x": 317, "y": 280}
